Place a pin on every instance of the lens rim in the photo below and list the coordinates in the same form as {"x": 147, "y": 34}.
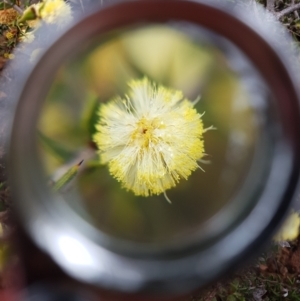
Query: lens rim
{"x": 195, "y": 266}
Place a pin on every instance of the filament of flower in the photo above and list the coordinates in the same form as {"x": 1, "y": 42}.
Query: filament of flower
{"x": 150, "y": 140}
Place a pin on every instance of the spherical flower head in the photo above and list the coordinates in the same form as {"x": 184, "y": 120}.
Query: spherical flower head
{"x": 9, "y": 35}
{"x": 151, "y": 139}
{"x": 290, "y": 229}
{"x": 54, "y": 12}
{"x": 9, "y": 56}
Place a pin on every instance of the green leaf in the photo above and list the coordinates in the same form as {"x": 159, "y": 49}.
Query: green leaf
{"x": 235, "y": 284}
{"x": 297, "y": 24}
{"x": 90, "y": 115}
{"x": 4, "y": 6}
{"x": 55, "y": 148}
{"x": 67, "y": 177}
{"x": 94, "y": 163}
{"x": 231, "y": 298}
{"x": 30, "y": 13}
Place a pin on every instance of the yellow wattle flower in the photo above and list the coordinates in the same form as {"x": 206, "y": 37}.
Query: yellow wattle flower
{"x": 290, "y": 229}
{"x": 151, "y": 139}
{"x": 55, "y": 12}
{"x": 9, "y": 35}
{"x": 9, "y": 56}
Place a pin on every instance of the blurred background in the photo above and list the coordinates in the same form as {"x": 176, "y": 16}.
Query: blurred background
{"x": 167, "y": 56}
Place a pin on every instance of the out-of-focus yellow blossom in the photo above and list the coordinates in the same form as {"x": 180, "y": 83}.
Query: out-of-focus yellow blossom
{"x": 9, "y": 35}
{"x": 9, "y": 56}
{"x": 151, "y": 139}
{"x": 8, "y": 15}
{"x": 290, "y": 228}
{"x": 34, "y": 23}
{"x": 55, "y": 12}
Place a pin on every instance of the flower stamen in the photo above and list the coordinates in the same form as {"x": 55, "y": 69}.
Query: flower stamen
{"x": 151, "y": 139}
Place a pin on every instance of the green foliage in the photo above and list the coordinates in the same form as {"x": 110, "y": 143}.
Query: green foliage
{"x": 4, "y": 5}
{"x": 90, "y": 115}
{"x": 251, "y": 285}
{"x": 55, "y": 148}
{"x": 67, "y": 177}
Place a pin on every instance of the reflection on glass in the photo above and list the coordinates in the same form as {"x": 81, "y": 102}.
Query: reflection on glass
{"x": 173, "y": 59}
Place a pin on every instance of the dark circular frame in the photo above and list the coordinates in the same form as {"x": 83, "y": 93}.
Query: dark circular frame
{"x": 191, "y": 267}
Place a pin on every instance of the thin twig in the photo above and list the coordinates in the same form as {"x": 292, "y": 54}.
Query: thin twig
{"x": 15, "y": 7}
{"x": 294, "y": 32}
{"x": 271, "y": 5}
{"x": 295, "y": 12}
{"x": 287, "y": 11}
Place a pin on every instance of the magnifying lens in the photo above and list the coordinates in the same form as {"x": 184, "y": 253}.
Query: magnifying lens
{"x": 155, "y": 144}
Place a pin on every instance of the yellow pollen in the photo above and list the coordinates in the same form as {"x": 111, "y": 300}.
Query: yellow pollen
{"x": 143, "y": 134}
{"x": 151, "y": 139}
{"x": 9, "y": 35}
